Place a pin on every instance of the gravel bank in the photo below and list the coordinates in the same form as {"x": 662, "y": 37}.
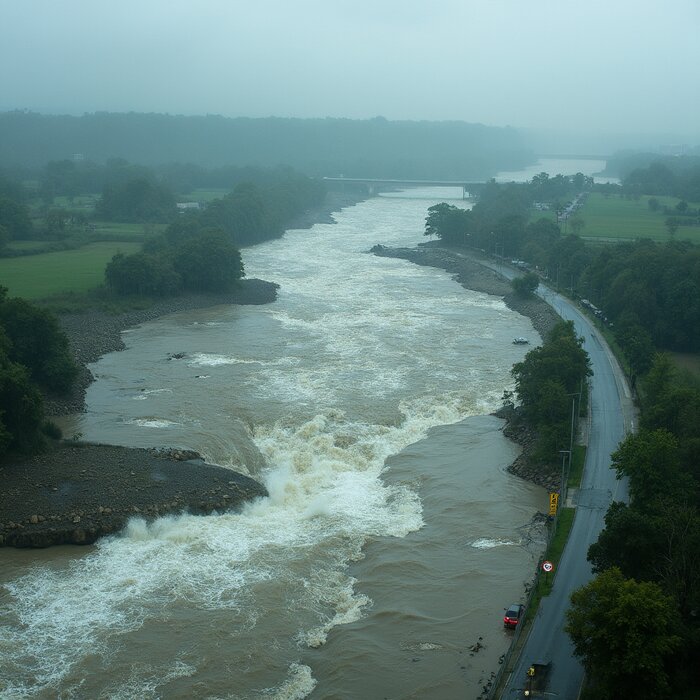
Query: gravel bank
{"x": 92, "y": 334}
{"x": 77, "y": 492}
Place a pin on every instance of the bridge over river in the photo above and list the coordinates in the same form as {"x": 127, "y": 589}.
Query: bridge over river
{"x": 469, "y": 189}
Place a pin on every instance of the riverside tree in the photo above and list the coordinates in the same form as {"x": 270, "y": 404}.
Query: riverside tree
{"x": 37, "y": 343}
{"x": 526, "y": 285}
{"x": 624, "y": 632}
{"x": 34, "y": 356}
{"x": 448, "y": 222}
{"x": 545, "y": 382}
{"x": 209, "y": 263}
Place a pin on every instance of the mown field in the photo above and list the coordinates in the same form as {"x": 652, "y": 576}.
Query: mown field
{"x": 611, "y": 219}
{"x": 201, "y": 195}
{"x": 39, "y": 276}
{"x": 614, "y": 218}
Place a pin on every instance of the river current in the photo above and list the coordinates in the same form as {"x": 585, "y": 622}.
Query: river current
{"x": 392, "y": 538}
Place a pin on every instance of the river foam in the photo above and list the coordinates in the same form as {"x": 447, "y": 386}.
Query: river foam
{"x": 359, "y": 357}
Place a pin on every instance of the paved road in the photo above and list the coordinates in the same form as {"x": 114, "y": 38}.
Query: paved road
{"x": 612, "y": 416}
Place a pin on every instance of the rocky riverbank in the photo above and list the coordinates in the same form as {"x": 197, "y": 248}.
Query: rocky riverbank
{"x": 76, "y": 492}
{"x": 94, "y": 333}
{"x": 471, "y": 274}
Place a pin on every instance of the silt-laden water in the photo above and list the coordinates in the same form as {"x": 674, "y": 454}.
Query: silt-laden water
{"x": 392, "y": 538}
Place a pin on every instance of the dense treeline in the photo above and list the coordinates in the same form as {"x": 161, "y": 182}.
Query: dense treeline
{"x": 660, "y": 179}
{"x": 317, "y": 147}
{"x": 498, "y": 221}
{"x": 622, "y": 163}
{"x": 546, "y": 381}
{"x": 653, "y": 286}
{"x": 184, "y": 259}
{"x": 136, "y": 201}
{"x": 34, "y": 358}
{"x": 649, "y": 291}
{"x": 264, "y": 201}
{"x": 637, "y": 624}
{"x": 199, "y": 251}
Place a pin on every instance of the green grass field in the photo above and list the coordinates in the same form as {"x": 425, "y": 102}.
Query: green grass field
{"x": 687, "y": 362}
{"x": 204, "y": 195}
{"x": 120, "y": 231}
{"x": 25, "y": 245}
{"x": 39, "y": 276}
{"x": 613, "y": 218}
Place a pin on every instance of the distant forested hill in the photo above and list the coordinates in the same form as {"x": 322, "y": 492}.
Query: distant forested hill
{"x": 317, "y": 147}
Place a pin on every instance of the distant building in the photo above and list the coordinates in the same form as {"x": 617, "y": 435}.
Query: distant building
{"x": 184, "y": 206}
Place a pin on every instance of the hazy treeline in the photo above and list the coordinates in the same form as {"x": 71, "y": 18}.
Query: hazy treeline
{"x": 263, "y": 204}
{"x": 317, "y": 147}
{"x": 658, "y": 175}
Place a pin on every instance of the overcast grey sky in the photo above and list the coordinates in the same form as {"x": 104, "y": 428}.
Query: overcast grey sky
{"x": 605, "y": 65}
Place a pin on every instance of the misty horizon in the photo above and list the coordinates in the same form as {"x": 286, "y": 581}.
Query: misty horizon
{"x": 615, "y": 71}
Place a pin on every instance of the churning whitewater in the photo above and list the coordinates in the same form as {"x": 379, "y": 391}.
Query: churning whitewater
{"x": 359, "y": 358}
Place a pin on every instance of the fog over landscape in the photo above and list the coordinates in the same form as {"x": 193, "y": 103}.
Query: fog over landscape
{"x": 621, "y": 69}
{"x": 349, "y": 349}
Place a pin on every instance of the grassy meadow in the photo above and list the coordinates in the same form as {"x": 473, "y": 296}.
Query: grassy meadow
{"x": 40, "y": 276}
{"x": 614, "y": 218}
{"x": 202, "y": 195}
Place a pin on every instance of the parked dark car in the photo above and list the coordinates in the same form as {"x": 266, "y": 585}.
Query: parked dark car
{"x": 513, "y": 615}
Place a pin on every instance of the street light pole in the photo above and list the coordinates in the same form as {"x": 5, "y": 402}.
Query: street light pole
{"x": 571, "y": 434}
{"x": 562, "y": 488}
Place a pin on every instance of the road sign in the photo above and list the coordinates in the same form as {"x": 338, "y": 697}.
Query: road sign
{"x": 553, "y": 503}
{"x": 547, "y": 566}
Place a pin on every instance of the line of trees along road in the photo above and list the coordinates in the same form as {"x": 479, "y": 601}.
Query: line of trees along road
{"x": 544, "y": 383}
{"x": 636, "y": 625}
{"x": 649, "y": 291}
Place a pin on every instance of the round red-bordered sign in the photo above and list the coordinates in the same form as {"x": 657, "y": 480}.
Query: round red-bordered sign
{"x": 547, "y": 566}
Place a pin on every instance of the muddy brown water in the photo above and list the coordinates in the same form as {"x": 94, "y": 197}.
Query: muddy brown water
{"x": 393, "y": 537}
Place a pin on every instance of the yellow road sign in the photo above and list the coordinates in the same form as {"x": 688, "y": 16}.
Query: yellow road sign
{"x": 553, "y": 503}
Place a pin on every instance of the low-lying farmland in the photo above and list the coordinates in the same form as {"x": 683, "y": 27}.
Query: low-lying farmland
{"x": 615, "y": 218}
{"x": 39, "y": 276}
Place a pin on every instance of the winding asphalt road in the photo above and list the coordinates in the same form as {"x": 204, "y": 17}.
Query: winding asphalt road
{"x": 611, "y": 417}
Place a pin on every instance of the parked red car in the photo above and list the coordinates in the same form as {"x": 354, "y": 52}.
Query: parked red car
{"x": 513, "y": 615}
